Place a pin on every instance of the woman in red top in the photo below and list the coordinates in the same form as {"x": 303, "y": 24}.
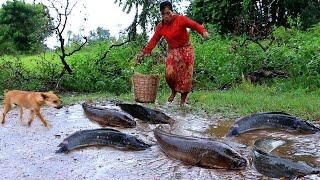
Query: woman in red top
{"x": 180, "y": 57}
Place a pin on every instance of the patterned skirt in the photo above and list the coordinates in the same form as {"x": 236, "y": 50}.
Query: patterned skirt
{"x": 179, "y": 68}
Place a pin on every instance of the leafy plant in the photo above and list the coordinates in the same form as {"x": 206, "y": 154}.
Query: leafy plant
{"x": 152, "y": 64}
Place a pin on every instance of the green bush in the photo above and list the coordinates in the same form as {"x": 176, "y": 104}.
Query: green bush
{"x": 218, "y": 61}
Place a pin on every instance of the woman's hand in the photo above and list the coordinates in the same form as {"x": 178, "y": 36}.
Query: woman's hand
{"x": 205, "y": 35}
{"x": 139, "y": 58}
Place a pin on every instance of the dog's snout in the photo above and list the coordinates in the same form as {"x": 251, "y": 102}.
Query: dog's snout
{"x": 59, "y": 107}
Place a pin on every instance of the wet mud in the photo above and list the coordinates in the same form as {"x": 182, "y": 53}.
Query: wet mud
{"x": 29, "y": 152}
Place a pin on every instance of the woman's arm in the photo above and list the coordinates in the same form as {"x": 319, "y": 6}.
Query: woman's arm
{"x": 189, "y": 23}
{"x": 153, "y": 41}
{"x": 151, "y": 44}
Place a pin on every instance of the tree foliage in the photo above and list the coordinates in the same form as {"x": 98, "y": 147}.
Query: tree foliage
{"x": 254, "y": 16}
{"x": 23, "y": 27}
{"x": 99, "y": 34}
{"x": 149, "y": 14}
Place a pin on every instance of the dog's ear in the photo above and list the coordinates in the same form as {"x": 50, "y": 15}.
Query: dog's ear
{"x": 44, "y": 96}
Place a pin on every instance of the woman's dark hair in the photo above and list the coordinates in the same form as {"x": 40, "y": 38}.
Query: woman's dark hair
{"x": 165, "y": 4}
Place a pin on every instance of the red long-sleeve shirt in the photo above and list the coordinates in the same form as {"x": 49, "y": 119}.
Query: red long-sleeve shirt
{"x": 175, "y": 33}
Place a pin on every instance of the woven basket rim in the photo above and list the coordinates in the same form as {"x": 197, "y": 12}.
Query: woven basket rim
{"x": 140, "y": 74}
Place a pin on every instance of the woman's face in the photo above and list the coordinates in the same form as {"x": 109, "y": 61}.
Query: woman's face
{"x": 166, "y": 15}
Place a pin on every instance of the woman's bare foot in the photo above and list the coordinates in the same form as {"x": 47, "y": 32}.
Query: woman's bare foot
{"x": 183, "y": 98}
{"x": 171, "y": 97}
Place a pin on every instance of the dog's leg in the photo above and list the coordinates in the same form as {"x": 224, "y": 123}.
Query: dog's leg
{"x": 21, "y": 114}
{"x": 31, "y": 117}
{"x": 37, "y": 112}
{"x": 6, "y": 109}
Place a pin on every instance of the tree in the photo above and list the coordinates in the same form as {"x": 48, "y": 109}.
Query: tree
{"x": 99, "y": 34}
{"x": 254, "y": 16}
{"x": 63, "y": 11}
{"x": 149, "y": 14}
{"x": 23, "y": 27}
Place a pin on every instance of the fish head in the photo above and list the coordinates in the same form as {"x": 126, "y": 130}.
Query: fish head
{"x": 304, "y": 169}
{"x": 132, "y": 124}
{"x": 163, "y": 118}
{"x": 135, "y": 143}
{"x": 299, "y": 173}
{"x": 306, "y": 126}
{"x": 236, "y": 161}
{"x": 233, "y": 131}
{"x": 239, "y": 163}
{"x": 129, "y": 122}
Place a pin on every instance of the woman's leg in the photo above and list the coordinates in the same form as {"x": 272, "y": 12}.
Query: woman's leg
{"x": 183, "y": 98}
{"x": 173, "y": 94}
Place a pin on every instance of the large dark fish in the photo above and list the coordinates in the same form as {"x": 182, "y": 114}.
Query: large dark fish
{"x": 274, "y": 120}
{"x": 101, "y": 137}
{"x": 108, "y": 117}
{"x": 146, "y": 114}
{"x": 278, "y": 167}
{"x": 199, "y": 151}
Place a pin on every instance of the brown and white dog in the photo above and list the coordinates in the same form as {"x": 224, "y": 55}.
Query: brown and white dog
{"x": 30, "y": 100}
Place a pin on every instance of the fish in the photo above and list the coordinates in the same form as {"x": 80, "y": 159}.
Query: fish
{"x": 202, "y": 152}
{"x": 275, "y": 166}
{"x": 269, "y": 144}
{"x": 146, "y": 114}
{"x": 101, "y": 137}
{"x": 108, "y": 117}
{"x": 273, "y": 120}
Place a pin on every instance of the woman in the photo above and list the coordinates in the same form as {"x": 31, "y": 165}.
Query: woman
{"x": 180, "y": 57}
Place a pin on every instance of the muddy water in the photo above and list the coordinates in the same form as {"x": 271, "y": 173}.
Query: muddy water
{"x": 28, "y": 153}
{"x": 298, "y": 147}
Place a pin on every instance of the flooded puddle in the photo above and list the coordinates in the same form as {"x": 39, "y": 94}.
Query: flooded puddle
{"x": 299, "y": 147}
{"x": 28, "y": 153}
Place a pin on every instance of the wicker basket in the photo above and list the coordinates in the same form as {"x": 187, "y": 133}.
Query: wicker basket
{"x": 145, "y": 87}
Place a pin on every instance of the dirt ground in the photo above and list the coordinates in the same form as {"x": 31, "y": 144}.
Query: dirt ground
{"x": 29, "y": 152}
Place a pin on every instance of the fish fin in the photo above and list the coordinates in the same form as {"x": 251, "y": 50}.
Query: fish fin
{"x": 198, "y": 162}
{"x": 276, "y": 112}
{"x": 193, "y": 163}
{"x": 119, "y": 103}
{"x": 290, "y": 178}
{"x": 108, "y": 129}
{"x": 63, "y": 149}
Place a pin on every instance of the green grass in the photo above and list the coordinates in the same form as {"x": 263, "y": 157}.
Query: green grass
{"x": 248, "y": 99}
{"x": 242, "y": 100}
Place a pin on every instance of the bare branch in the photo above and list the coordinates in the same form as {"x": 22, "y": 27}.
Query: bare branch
{"x": 112, "y": 46}
{"x": 79, "y": 48}
{"x": 255, "y": 41}
{"x": 62, "y": 18}
{"x": 65, "y": 18}
{"x": 72, "y": 8}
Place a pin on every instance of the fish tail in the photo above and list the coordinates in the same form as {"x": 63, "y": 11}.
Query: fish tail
{"x": 63, "y": 149}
